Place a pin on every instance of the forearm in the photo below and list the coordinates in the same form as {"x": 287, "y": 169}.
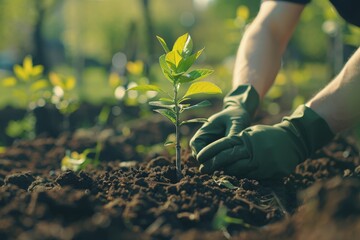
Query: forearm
{"x": 338, "y": 103}
{"x": 258, "y": 60}
{"x": 259, "y": 55}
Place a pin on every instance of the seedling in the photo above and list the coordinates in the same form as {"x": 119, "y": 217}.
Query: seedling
{"x": 78, "y": 161}
{"x": 175, "y": 64}
{"x": 221, "y": 221}
{"x": 223, "y": 181}
{"x": 28, "y": 85}
{"x": 30, "y": 90}
{"x": 64, "y": 95}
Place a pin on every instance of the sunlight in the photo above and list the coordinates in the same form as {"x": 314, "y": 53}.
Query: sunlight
{"x": 201, "y": 4}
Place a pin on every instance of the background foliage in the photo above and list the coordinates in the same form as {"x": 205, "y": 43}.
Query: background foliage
{"x": 107, "y": 46}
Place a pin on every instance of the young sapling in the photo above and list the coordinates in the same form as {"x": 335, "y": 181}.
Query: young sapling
{"x": 31, "y": 90}
{"x": 175, "y": 65}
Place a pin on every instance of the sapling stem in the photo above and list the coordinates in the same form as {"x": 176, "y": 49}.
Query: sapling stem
{"x": 177, "y": 132}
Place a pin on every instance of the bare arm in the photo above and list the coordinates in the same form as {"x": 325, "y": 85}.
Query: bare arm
{"x": 259, "y": 56}
{"x": 339, "y": 102}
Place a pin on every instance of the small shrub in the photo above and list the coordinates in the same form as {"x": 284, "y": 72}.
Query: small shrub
{"x": 175, "y": 65}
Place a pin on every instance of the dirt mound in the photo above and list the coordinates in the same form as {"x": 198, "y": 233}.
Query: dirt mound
{"x": 142, "y": 199}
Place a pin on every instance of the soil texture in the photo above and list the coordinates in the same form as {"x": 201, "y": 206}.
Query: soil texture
{"x": 132, "y": 196}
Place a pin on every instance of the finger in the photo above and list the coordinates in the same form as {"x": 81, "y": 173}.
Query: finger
{"x": 239, "y": 167}
{"x": 207, "y": 134}
{"x": 237, "y": 124}
{"x": 224, "y": 159}
{"x": 222, "y": 149}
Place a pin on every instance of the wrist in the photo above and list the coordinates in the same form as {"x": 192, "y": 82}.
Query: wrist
{"x": 245, "y": 96}
{"x": 326, "y": 112}
{"x": 309, "y": 127}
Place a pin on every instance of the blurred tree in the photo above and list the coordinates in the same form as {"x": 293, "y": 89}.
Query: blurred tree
{"x": 43, "y": 9}
{"x": 95, "y": 34}
{"x": 149, "y": 33}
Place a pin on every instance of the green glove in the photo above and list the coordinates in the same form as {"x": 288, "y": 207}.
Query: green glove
{"x": 263, "y": 152}
{"x": 239, "y": 107}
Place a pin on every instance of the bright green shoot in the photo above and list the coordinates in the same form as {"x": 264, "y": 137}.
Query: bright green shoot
{"x": 175, "y": 65}
{"x": 28, "y": 85}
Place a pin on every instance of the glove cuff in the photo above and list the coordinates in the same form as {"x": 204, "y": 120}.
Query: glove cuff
{"x": 245, "y": 96}
{"x": 309, "y": 127}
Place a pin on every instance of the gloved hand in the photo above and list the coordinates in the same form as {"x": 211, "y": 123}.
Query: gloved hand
{"x": 263, "y": 152}
{"x": 239, "y": 107}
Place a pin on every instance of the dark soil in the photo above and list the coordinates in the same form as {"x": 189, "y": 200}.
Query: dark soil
{"x": 131, "y": 196}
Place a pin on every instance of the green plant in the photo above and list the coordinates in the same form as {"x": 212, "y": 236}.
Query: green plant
{"x": 221, "y": 221}
{"x": 175, "y": 64}
{"x": 134, "y": 75}
{"x": 23, "y": 128}
{"x": 28, "y": 85}
{"x": 64, "y": 95}
{"x": 30, "y": 89}
{"x": 78, "y": 161}
{"x": 223, "y": 181}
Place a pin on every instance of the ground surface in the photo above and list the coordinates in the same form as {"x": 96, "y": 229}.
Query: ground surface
{"x": 142, "y": 199}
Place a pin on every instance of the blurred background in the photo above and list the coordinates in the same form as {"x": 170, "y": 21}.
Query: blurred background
{"x": 66, "y": 64}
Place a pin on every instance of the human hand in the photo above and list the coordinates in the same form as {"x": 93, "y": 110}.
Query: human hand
{"x": 263, "y": 152}
{"x": 239, "y": 107}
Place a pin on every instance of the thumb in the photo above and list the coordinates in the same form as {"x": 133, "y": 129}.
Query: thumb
{"x": 235, "y": 126}
{"x": 207, "y": 134}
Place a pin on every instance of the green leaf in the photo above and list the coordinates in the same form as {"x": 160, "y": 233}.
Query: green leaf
{"x": 198, "y": 53}
{"x": 219, "y": 220}
{"x": 87, "y": 151}
{"x": 195, "y": 120}
{"x": 177, "y": 74}
{"x": 182, "y": 106}
{"x": 163, "y": 63}
{"x": 161, "y": 104}
{"x": 39, "y": 84}
{"x": 165, "y": 68}
{"x": 202, "y": 87}
{"x": 9, "y": 82}
{"x": 104, "y": 115}
{"x": 169, "y": 143}
{"x": 75, "y": 161}
{"x": 168, "y": 76}
{"x": 170, "y": 140}
{"x": 168, "y": 114}
{"x": 195, "y": 75}
{"x": 186, "y": 63}
{"x": 173, "y": 59}
{"x": 183, "y": 45}
{"x": 224, "y": 182}
{"x": 37, "y": 70}
{"x": 228, "y": 184}
{"x": 163, "y": 44}
{"x": 168, "y": 100}
{"x": 146, "y": 87}
{"x": 184, "y": 99}
{"x": 204, "y": 103}
{"x": 21, "y": 73}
